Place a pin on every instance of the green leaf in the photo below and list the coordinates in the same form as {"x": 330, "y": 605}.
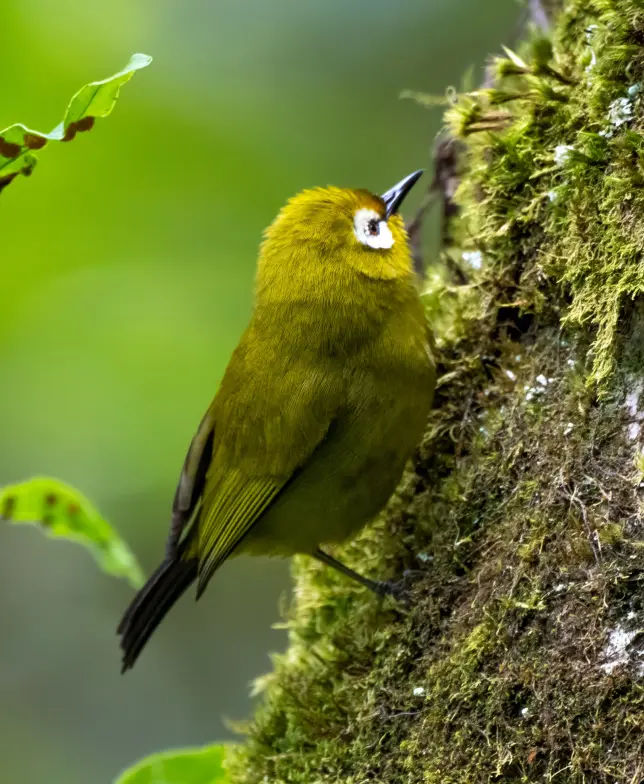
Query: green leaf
{"x": 62, "y": 512}
{"x": 96, "y": 99}
{"x": 515, "y": 58}
{"x": 182, "y": 766}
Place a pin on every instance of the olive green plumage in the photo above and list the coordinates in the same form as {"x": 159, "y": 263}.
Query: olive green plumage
{"x": 321, "y": 405}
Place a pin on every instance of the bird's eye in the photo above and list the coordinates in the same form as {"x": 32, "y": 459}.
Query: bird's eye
{"x": 372, "y": 230}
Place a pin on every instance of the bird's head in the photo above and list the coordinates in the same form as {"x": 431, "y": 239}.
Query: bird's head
{"x": 339, "y": 232}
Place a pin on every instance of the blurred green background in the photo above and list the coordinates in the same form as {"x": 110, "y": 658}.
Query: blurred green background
{"x": 127, "y": 271}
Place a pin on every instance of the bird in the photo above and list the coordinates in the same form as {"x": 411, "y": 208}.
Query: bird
{"x": 321, "y": 405}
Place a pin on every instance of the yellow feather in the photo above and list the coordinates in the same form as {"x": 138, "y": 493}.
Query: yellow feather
{"x": 321, "y": 405}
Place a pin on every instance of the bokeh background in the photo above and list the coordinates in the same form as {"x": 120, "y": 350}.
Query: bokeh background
{"x": 127, "y": 273}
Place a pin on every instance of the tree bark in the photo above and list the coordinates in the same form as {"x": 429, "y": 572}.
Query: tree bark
{"x": 520, "y": 657}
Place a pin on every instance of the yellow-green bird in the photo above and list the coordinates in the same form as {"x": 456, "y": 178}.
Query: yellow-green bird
{"x": 321, "y": 405}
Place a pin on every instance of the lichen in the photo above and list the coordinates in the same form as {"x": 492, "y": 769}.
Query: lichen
{"x": 518, "y": 657}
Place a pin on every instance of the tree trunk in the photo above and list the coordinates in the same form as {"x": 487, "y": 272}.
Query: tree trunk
{"x": 520, "y": 656}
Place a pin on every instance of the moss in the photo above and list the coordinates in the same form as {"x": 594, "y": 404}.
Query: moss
{"x": 562, "y": 184}
{"x": 520, "y": 519}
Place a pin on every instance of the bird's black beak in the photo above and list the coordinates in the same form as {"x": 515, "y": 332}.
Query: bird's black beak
{"x": 395, "y": 196}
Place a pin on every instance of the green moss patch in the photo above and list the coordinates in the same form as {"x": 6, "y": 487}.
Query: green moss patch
{"x": 520, "y": 656}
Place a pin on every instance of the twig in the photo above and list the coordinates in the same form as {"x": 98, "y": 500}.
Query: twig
{"x": 443, "y": 186}
{"x": 446, "y": 154}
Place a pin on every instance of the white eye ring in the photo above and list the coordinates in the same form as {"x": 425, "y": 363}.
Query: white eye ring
{"x": 372, "y": 230}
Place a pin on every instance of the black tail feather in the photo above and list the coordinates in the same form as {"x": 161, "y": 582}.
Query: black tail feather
{"x": 151, "y": 604}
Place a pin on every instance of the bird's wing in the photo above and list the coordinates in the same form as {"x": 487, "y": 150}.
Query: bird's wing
{"x": 188, "y": 495}
{"x": 230, "y": 511}
{"x": 261, "y": 428}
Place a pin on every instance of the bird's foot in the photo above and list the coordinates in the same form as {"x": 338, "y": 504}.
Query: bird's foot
{"x": 398, "y": 589}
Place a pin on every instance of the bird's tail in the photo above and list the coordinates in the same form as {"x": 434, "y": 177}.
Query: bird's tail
{"x": 151, "y": 604}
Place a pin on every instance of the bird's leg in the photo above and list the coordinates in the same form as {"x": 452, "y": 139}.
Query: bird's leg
{"x": 379, "y": 587}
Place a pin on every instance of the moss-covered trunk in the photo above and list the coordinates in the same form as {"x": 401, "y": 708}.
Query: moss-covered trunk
{"x": 521, "y": 654}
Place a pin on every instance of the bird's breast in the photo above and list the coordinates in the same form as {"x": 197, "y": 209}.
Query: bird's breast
{"x": 357, "y": 467}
